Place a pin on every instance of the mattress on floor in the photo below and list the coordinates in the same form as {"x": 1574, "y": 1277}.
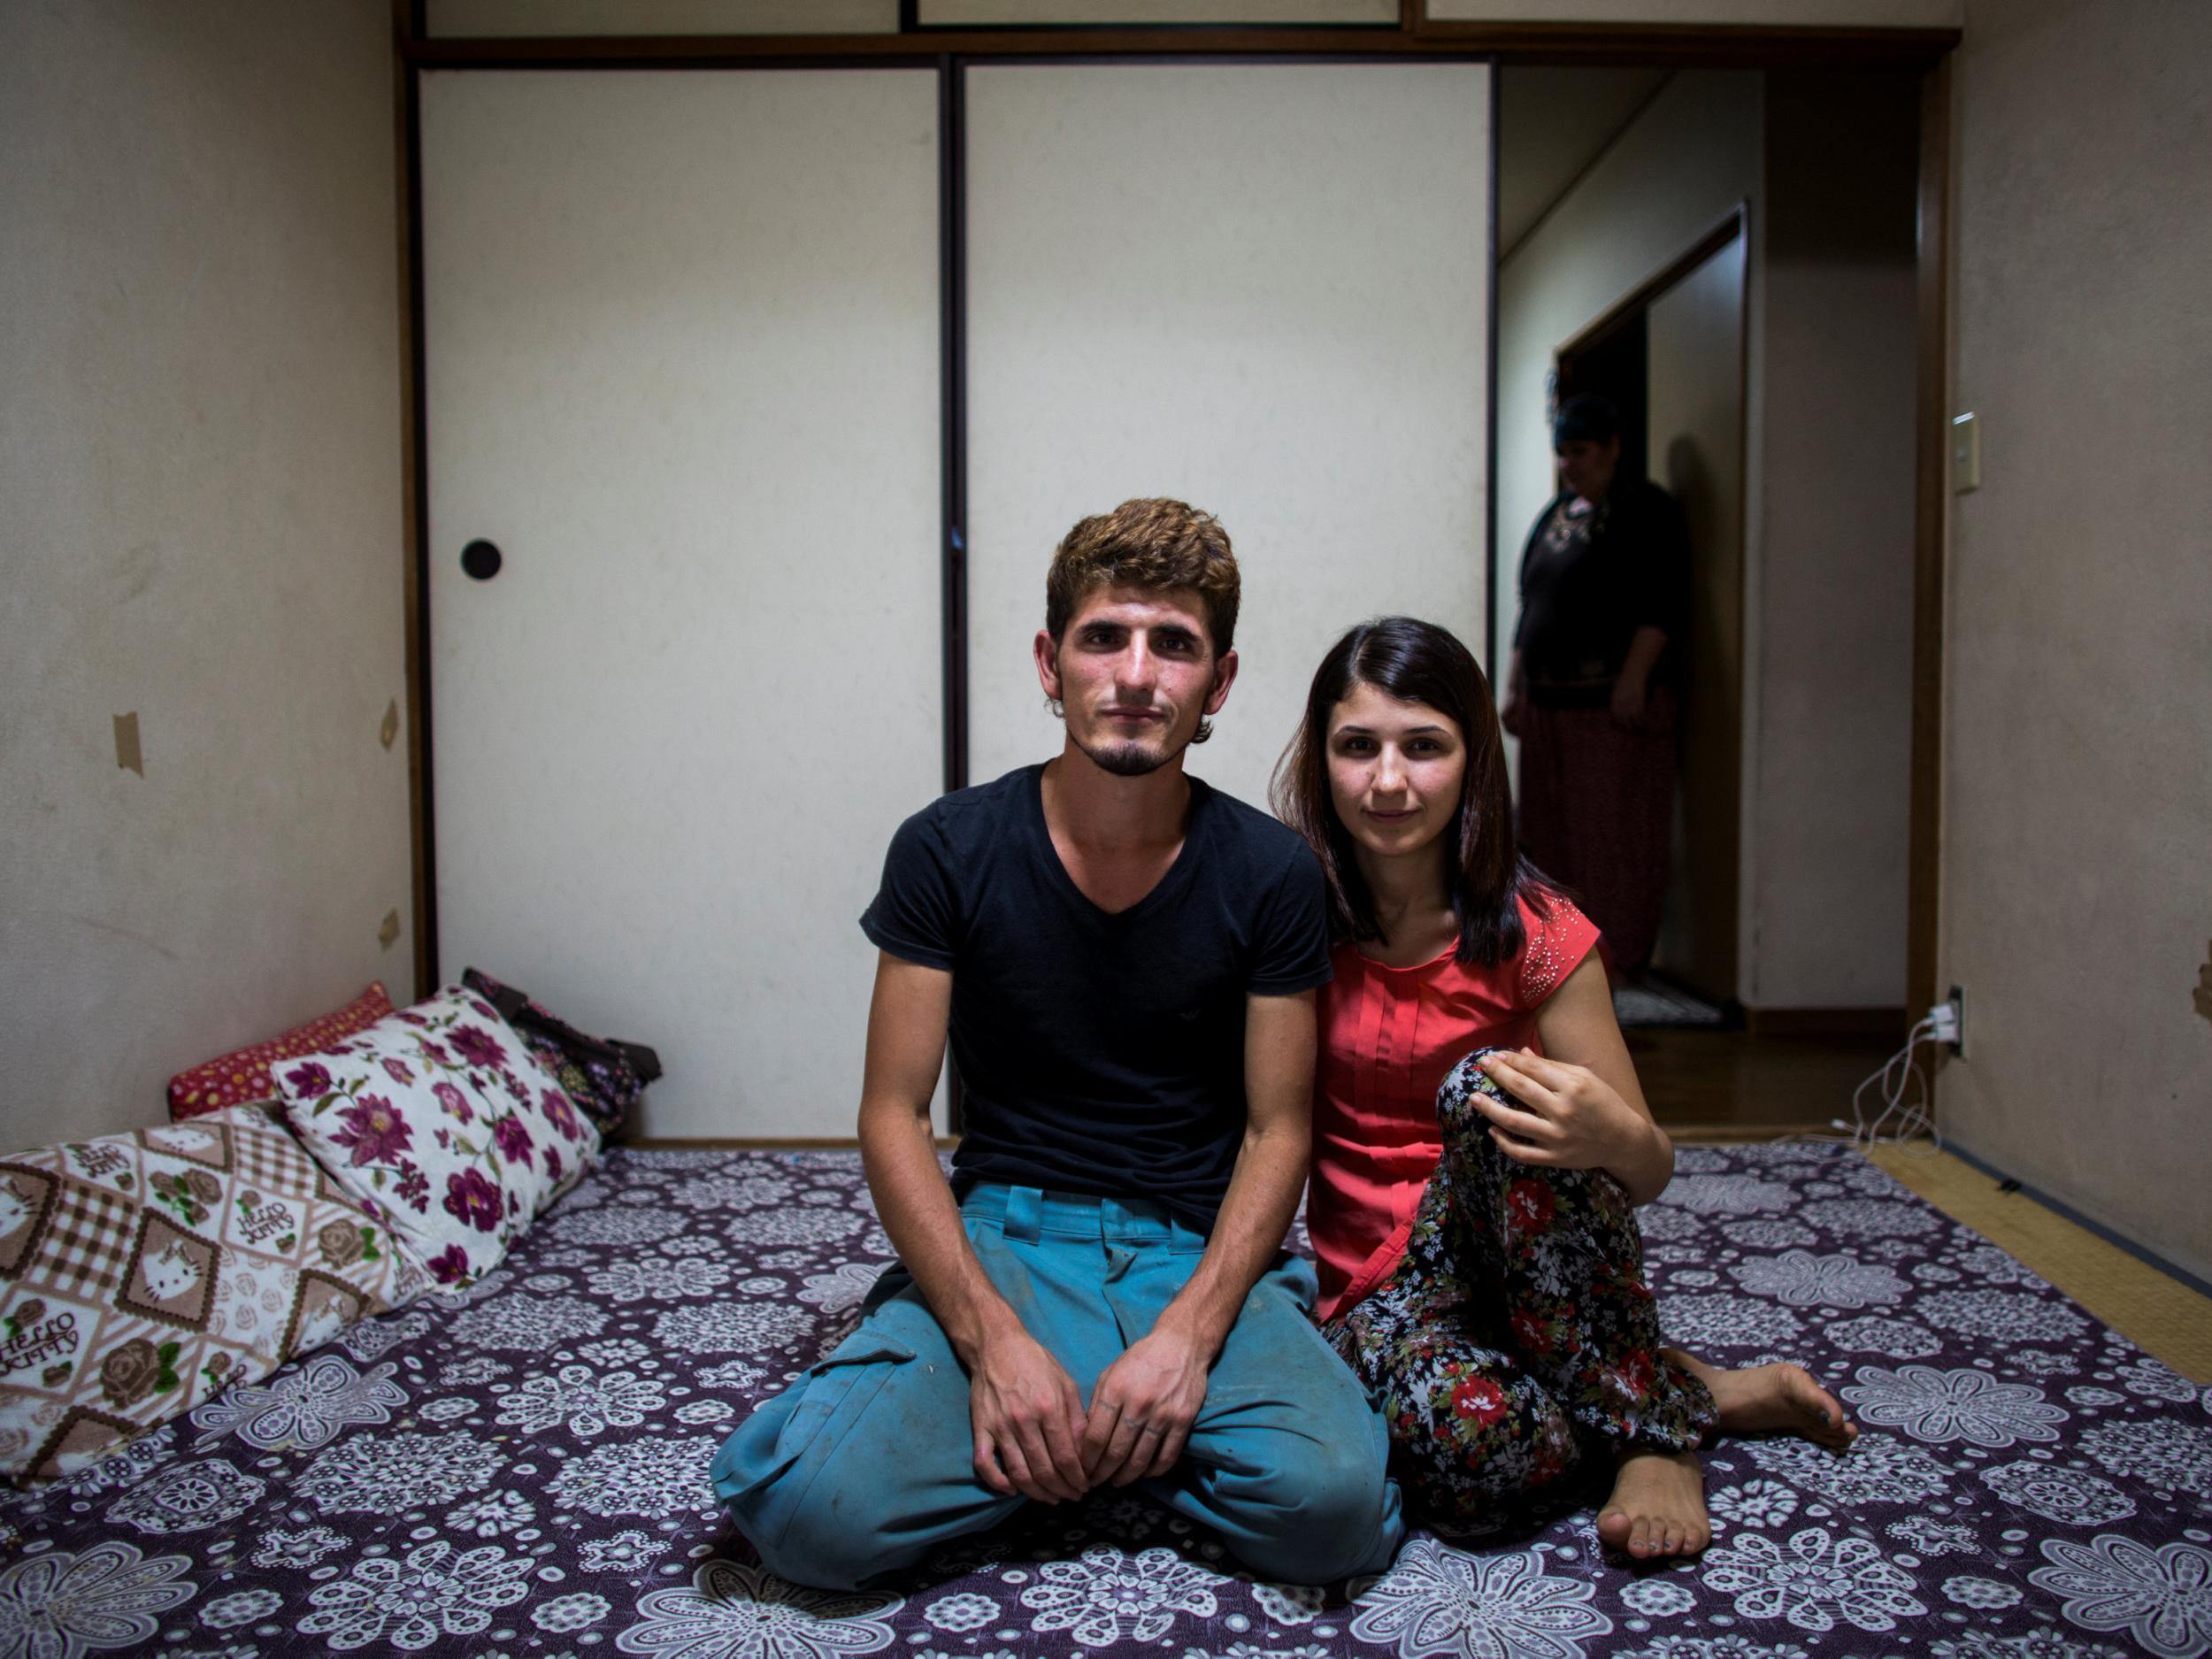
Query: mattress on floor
{"x": 521, "y": 1470}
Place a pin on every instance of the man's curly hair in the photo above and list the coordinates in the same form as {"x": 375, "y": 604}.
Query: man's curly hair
{"x": 1148, "y": 542}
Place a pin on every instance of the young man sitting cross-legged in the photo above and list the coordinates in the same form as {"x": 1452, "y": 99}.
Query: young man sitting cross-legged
{"x": 1125, "y": 961}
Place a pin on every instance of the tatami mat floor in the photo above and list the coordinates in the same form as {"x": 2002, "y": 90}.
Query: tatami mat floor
{"x": 2157, "y": 1312}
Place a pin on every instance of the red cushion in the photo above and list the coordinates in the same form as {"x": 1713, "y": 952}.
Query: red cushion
{"x": 237, "y": 1078}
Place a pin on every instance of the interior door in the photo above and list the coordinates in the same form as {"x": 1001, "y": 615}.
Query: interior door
{"x": 1694, "y": 423}
{"x": 1262, "y": 288}
{"x": 682, "y": 345}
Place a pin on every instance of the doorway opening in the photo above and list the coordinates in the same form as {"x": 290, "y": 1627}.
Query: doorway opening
{"x": 1730, "y": 259}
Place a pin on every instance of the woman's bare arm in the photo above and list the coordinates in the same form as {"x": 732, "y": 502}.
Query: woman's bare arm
{"x": 1583, "y": 1108}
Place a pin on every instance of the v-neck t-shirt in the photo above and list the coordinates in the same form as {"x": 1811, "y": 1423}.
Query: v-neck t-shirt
{"x": 1100, "y": 1053}
{"x": 1388, "y": 1038}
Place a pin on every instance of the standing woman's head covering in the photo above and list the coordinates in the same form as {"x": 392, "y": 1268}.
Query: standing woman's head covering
{"x": 1587, "y": 417}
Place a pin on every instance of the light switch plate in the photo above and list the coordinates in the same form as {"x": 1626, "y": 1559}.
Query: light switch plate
{"x": 1966, "y": 453}
{"x": 390, "y": 728}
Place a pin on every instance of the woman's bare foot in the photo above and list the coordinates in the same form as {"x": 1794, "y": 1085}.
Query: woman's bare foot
{"x": 1772, "y": 1400}
{"x": 1657, "y": 1508}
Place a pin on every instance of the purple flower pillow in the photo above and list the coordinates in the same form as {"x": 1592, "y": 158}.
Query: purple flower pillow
{"x": 440, "y": 1119}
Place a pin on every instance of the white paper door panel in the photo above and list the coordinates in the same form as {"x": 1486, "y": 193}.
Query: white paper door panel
{"x": 682, "y": 347}
{"x": 1261, "y": 288}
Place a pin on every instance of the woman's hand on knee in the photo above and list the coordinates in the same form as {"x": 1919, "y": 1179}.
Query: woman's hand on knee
{"x": 1560, "y": 1117}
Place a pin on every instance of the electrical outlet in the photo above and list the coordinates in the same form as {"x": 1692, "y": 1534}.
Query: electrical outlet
{"x": 1957, "y": 1005}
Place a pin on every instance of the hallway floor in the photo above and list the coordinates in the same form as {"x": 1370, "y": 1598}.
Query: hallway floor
{"x": 1733, "y": 1086}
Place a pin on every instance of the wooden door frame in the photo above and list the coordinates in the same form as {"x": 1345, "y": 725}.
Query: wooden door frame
{"x": 1414, "y": 34}
{"x": 1931, "y": 497}
{"x": 1415, "y": 37}
{"x": 1734, "y": 223}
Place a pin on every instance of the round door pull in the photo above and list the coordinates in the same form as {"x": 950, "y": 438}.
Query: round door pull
{"x": 481, "y": 560}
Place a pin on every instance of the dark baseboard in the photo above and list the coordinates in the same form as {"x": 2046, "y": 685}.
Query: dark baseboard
{"x": 1827, "y": 1022}
{"x": 2059, "y": 1207}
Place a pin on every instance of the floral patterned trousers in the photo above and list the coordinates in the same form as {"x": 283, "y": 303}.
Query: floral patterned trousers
{"x": 1515, "y": 1344}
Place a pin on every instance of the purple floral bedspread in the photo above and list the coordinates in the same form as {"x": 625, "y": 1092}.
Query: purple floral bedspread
{"x": 520, "y": 1471}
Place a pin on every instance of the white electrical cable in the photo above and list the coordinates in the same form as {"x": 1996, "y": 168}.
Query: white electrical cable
{"x": 1895, "y": 1079}
{"x": 1904, "y": 1094}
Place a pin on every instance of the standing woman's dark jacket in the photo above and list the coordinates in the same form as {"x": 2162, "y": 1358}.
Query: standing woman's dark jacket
{"x": 1581, "y": 604}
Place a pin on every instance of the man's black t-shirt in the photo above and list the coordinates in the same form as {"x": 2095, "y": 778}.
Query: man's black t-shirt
{"x": 1101, "y": 1054}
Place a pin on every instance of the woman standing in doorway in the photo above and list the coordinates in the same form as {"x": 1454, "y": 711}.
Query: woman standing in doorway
{"x": 1593, "y": 693}
{"x": 1479, "y": 1140}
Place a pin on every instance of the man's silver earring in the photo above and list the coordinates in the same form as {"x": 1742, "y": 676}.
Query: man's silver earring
{"x": 1058, "y": 711}
{"x": 1205, "y": 730}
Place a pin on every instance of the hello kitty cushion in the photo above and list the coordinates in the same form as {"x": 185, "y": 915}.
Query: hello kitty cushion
{"x": 142, "y": 1273}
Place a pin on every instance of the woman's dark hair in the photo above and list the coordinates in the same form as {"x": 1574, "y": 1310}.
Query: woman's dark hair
{"x": 1485, "y": 874}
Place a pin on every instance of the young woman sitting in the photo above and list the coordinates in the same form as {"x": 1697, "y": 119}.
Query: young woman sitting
{"x": 1479, "y": 1141}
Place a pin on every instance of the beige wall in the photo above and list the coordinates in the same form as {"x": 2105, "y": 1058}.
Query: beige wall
{"x": 1827, "y": 779}
{"x": 2077, "y": 734}
{"x": 1694, "y": 446}
{"x": 201, "y": 472}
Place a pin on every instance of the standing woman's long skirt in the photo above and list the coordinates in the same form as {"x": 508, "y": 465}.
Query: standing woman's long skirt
{"x": 1596, "y": 812}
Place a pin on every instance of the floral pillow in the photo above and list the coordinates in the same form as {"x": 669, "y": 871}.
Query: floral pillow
{"x": 438, "y": 1118}
{"x": 142, "y": 1273}
{"x": 603, "y": 1077}
{"x": 242, "y": 1075}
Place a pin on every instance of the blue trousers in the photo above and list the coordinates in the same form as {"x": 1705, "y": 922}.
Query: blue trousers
{"x": 866, "y": 1463}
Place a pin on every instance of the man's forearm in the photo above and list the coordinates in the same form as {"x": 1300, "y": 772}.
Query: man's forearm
{"x": 1256, "y": 1212}
{"x": 916, "y": 1205}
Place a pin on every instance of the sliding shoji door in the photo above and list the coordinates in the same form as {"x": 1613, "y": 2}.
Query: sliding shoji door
{"x": 1262, "y": 288}
{"x": 682, "y": 344}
